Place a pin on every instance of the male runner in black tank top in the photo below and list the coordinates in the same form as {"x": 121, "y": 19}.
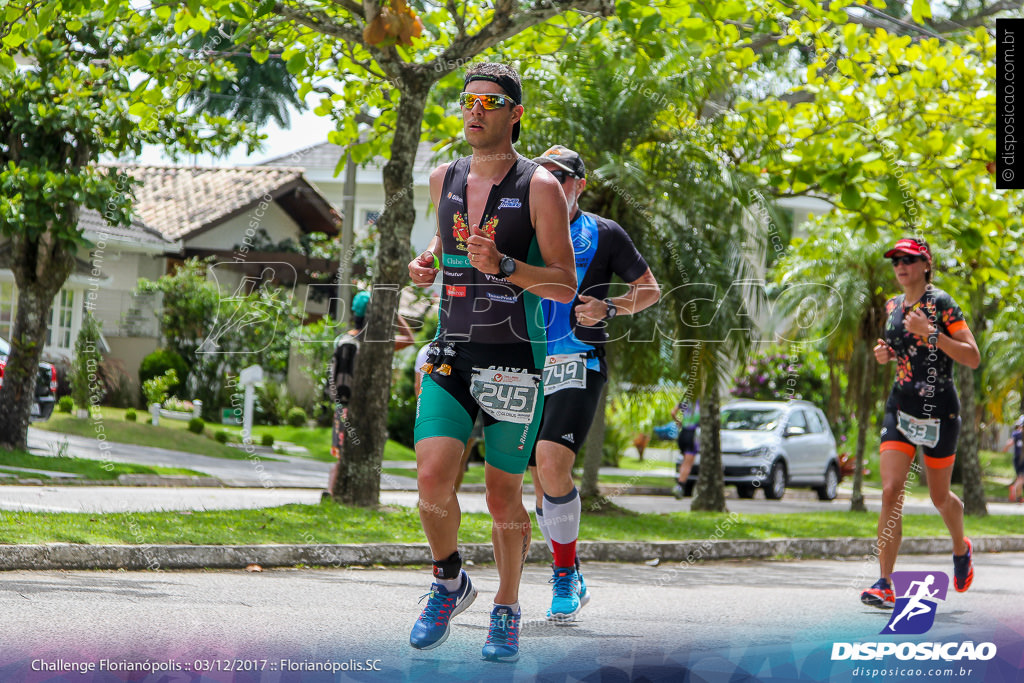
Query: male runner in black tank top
{"x": 502, "y": 242}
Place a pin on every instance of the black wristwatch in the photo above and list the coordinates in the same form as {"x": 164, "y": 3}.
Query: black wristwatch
{"x": 506, "y": 267}
{"x": 611, "y": 311}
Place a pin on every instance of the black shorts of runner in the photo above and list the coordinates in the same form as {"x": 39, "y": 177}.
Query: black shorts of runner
{"x": 687, "y": 441}
{"x": 569, "y": 413}
{"x": 511, "y": 400}
{"x": 944, "y": 406}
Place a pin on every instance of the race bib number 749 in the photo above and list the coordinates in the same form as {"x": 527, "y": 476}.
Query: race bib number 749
{"x": 508, "y": 396}
{"x": 565, "y": 371}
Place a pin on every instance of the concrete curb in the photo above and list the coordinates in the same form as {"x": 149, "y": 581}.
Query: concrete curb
{"x": 78, "y": 557}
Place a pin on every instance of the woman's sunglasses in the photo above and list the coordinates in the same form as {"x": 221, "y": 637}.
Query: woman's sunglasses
{"x": 468, "y": 100}
{"x": 905, "y": 260}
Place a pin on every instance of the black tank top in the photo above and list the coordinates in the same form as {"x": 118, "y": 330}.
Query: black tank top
{"x": 477, "y": 307}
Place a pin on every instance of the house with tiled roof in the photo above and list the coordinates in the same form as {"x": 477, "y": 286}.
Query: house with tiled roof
{"x": 243, "y": 217}
{"x": 320, "y": 162}
{"x": 122, "y": 255}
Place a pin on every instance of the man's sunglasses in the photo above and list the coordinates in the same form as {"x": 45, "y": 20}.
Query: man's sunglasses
{"x": 560, "y": 176}
{"x": 905, "y": 260}
{"x": 490, "y": 102}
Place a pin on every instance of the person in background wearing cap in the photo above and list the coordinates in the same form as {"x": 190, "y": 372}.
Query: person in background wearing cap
{"x": 575, "y": 371}
{"x": 1017, "y": 441}
{"x": 925, "y": 333}
{"x": 341, "y": 372}
{"x": 502, "y": 244}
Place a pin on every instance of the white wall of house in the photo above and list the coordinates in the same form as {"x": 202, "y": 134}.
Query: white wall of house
{"x": 65, "y": 319}
{"x": 371, "y": 201}
{"x": 120, "y": 312}
{"x": 278, "y": 224}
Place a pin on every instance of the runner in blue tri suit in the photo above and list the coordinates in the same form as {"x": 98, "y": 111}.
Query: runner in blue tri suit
{"x": 575, "y": 371}
{"x": 502, "y": 244}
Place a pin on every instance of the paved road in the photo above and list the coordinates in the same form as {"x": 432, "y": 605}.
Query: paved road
{"x": 773, "y": 620}
{"x": 151, "y": 498}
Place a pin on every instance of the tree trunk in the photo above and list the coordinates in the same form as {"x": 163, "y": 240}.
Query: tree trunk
{"x": 710, "y": 491}
{"x": 41, "y": 267}
{"x": 967, "y": 446}
{"x": 865, "y": 377}
{"x": 835, "y": 390}
{"x": 359, "y": 464}
{"x": 594, "y": 449}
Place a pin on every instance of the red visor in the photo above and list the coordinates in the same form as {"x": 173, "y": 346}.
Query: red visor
{"x": 908, "y": 246}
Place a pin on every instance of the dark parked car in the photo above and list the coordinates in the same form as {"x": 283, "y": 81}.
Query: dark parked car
{"x": 46, "y": 384}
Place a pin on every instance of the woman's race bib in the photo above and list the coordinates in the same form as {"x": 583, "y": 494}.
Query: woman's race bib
{"x": 918, "y": 430}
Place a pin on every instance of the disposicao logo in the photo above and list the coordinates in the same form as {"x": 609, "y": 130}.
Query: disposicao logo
{"x": 914, "y": 614}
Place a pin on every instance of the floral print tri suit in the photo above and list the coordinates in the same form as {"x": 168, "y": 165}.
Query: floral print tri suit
{"x": 923, "y": 407}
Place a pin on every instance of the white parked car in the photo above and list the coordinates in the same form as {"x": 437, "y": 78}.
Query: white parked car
{"x": 775, "y": 444}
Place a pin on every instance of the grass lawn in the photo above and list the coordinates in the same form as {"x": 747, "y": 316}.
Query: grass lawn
{"x": 628, "y": 463}
{"x": 331, "y": 523}
{"x": 475, "y": 475}
{"x": 174, "y": 434}
{"x": 89, "y": 469}
{"x": 996, "y": 471}
{"x": 317, "y": 441}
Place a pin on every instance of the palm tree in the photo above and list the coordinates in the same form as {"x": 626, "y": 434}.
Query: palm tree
{"x": 653, "y": 167}
{"x": 851, "y": 313}
{"x": 256, "y": 94}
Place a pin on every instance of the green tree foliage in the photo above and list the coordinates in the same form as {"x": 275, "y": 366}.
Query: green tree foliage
{"x": 159, "y": 362}
{"x": 256, "y": 92}
{"x": 86, "y": 378}
{"x": 157, "y": 389}
{"x": 775, "y": 375}
{"x": 221, "y": 328}
{"x": 835, "y": 286}
{"x": 384, "y": 74}
{"x": 92, "y": 78}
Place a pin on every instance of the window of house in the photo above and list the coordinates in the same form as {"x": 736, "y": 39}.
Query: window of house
{"x": 372, "y": 217}
{"x": 6, "y": 309}
{"x": 60, "y": 323}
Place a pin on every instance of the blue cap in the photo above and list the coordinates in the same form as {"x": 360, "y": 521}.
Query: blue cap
{"x": 359, "y": 302}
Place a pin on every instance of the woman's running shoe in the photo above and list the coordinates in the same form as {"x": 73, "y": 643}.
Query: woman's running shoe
{"x": 880, "y": 595}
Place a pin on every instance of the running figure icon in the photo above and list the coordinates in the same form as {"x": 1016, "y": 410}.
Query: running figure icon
{"x": 916, "y": 604}
{"x": 920, "y": 592}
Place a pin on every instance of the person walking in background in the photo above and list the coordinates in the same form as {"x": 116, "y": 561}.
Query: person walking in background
{"x": 341, "y": 372}
{"x": 687, "y": 416}
{"x": 925, "y": 333}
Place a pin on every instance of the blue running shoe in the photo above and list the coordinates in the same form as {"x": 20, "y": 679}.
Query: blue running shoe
{"x": 432, "y": 628}
{"x": 502, "y": 644}
{"x": 584, "y": 593}
{"x": 566, "y": 591}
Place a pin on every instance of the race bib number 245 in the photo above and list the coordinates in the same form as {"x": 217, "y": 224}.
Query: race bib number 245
{"x": 508, "y": 396}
